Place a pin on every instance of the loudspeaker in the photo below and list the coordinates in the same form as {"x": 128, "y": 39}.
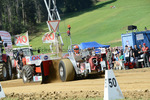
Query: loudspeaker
{"x": 132, "y": 27}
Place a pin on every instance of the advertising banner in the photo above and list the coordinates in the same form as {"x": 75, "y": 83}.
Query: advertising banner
{"x": 6, "y": 38}
{"x": 22, "y": 40}
{"x": 48, "y": 37}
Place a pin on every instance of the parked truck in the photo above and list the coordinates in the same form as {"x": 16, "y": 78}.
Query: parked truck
{"x": 136, "y": 38}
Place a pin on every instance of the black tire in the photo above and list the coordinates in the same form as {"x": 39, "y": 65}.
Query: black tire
{"x": 66, "y": 70}
{"x": 9, "y": 69}
{"x": 27, "y": 73}
{"x": 3, "y": 72}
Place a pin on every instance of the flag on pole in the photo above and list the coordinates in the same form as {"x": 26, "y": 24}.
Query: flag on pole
{"x": 22, "y": 40}
{"x": 49, "y": 37}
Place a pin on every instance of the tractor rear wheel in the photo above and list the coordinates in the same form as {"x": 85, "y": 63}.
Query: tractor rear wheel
{"x": 27, "y": 73}
{"x": 9, "y": 69}
{"x": 3, "y": 72}
{"x": 66, "y": 70}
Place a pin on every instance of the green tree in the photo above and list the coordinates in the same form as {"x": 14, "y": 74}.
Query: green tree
{"x": 18, "y": 16}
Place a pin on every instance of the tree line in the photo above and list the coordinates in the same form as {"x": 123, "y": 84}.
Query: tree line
{"x": 17, "y": 16}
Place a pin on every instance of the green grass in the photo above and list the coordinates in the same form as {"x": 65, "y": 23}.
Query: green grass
{"x": 100, "y": 23}
{"x": 115, "y": 44}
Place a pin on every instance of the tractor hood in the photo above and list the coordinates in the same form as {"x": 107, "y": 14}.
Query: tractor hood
{"x": 38, "y": 59}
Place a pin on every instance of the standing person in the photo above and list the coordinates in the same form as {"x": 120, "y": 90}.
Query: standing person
{"x": 136, "y": 55}
{"x": 116, "y": 51}
{"x": 117, "y": 60}
{"x": 121, "y": 61}
{"x": 109, "y": 58}
{"x": 131, "y": 54}
{"x": 145, "y": 50}
{"x": 140, "y": 48}
{"x": 140, "y": 51}
{"x": 126, "y": 52}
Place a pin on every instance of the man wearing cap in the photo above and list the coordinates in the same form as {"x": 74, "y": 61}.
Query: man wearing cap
{"x": 145, "y": 50}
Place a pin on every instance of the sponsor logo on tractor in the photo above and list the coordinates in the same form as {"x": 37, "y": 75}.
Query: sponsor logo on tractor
{"x": 45, "y": 57}
{"x": 37, "y": 78}
{"x": 32, "y": 58}
{"x": 27, "y": 60}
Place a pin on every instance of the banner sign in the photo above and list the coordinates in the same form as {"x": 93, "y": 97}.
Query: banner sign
{"x": 6, "y": 37}
{"x": 48, "y": 37}
{"x": 54, "y": 25}
{"x": 22, "y": 40}
{"x": 139, "y": 37}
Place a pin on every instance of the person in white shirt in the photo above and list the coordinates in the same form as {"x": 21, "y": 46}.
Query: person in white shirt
{"x": 126, "y": 52}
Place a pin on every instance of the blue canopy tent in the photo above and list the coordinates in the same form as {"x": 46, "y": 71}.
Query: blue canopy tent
{"x": 86, "y": 45}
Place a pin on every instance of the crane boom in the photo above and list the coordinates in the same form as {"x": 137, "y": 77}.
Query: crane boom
{"x": 52, "y": 10}
{"x": 53, "y": 15}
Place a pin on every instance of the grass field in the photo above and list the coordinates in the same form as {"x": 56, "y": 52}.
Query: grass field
{"x": 100, "y": 23}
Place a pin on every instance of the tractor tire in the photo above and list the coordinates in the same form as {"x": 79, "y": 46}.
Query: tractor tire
{"x": 3, "y": 72}
{"x": 66, "y": 70}
{"x": 9, "y": 69}
{"x": 27, "y": 73}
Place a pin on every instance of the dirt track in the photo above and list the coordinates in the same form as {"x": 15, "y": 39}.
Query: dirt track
{"x": 134, "y": 84}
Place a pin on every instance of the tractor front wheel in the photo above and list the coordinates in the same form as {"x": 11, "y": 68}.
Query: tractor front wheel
{"x": 27, "y": 73}
{"x": 66, "y": 70}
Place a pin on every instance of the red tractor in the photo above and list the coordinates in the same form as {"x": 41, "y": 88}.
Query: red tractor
{"x": 19, "y": 60}
{"x": 31, "y": 67}
{"x": 5, "y": 63}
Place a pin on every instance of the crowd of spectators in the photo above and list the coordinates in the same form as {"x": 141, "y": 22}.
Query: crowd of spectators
{"x": 115, "y": 56}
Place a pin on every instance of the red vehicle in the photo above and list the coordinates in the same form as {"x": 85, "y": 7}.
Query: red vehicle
{"x": 19, "y": 60}
{"x": 5, "y": 64}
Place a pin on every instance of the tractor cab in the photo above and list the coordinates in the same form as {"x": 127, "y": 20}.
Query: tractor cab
{"x": 19, "y": 58}
{"x": 27, "y": 51}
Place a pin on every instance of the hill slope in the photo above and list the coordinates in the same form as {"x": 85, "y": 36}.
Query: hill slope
{"x": 101, "y": 23}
